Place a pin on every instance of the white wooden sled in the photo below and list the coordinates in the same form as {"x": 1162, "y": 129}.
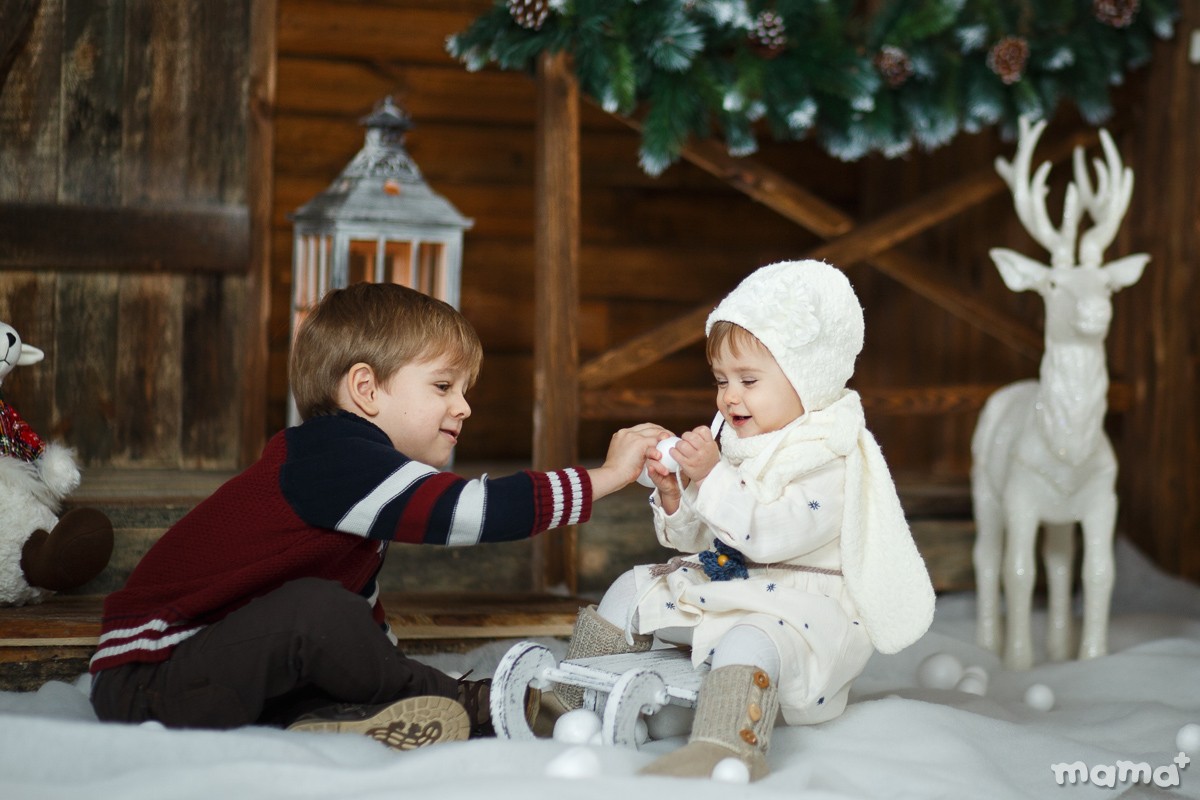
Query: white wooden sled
{"x": 619, "y": 688}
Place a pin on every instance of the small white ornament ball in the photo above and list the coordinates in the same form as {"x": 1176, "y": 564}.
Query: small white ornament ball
{"x": 1039, "y": 696}
{"x": 577, "y": 726}
{"x": 974, "y": 680}
{"x": 665, "y": 447}
{"x": 731, "y": 770}
{"x": 940, "y": 671}
{"x": 1188, "y": 738}
{"x": 578, "y": 762}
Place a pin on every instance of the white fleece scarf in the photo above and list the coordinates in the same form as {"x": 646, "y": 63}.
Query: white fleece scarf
{"x": 884, "y": 572}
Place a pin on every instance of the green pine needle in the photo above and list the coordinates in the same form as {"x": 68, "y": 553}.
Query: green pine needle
{"x": 818, "y": 68}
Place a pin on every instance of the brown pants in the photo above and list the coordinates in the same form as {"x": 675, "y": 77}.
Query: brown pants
{"x": 309, "y": 643}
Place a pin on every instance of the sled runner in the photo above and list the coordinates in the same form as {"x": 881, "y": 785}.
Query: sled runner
{"x": 617, "y": 687}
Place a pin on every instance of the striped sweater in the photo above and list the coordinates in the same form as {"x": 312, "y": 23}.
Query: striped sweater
{"x": 324, "y": 500}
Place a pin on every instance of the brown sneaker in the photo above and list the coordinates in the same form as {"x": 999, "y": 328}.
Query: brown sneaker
{"x": 475, "y": 697}
{"x": 403, "y": 725}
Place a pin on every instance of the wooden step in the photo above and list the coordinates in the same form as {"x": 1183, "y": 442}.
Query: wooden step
{"x": 422, "y": 586}
{"x": 54, "y": 640}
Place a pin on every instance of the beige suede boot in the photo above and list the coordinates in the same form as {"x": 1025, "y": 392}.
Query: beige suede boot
{"x": 734, "y": 718}
{"x": 595, "y": 636}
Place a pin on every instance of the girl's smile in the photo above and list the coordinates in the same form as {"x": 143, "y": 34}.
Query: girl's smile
{"x": 753, "y": 394}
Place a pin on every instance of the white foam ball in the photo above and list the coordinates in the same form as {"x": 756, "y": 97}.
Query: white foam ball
{"x": 1039, "y": 696}
{"x": 664, "y": 447}
{"x": 577, "y": 726}
{"x": 731, "y": 770}
{"x": 578, "y": 762}
{"x": 153, "y": 724}
{"x": 940, "y": 671}
{"x": 974, "y": 681}
{"x": 1188, "y": 738}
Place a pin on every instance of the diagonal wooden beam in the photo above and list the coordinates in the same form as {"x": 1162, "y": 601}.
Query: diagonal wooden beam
{"x": 759, "y": 182}
{"x": 874, "y": 241}
{"x": 796, "y": 204}
{"x": 16, "y": 21}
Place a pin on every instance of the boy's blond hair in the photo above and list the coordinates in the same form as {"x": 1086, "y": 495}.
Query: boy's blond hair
{"x": 384, "y": 325}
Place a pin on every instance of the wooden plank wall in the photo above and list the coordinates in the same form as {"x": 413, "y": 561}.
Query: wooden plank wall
{"x": 129, "y": 115}
{"x": 1158, "y": 341}
{"x": 649, "y": 247}
{"x": 653, "y": 248}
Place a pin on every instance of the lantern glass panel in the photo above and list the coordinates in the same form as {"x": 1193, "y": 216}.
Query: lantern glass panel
{"x": 313, "y": 257}
{"x": 431, "y": 271}
{"x": 398, "y": 261}
{"x": 362, "y": 261}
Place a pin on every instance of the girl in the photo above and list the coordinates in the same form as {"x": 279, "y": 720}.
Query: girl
{"x": 803, "y": 562}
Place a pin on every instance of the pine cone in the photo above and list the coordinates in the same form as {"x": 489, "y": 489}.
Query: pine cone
{"x": 529, "y": 14}
{"x": 768, "y": 37}
{"x": 894, "y": 65}
{"x": 1007, "y": 58}
{"x": 1117, "y": 13}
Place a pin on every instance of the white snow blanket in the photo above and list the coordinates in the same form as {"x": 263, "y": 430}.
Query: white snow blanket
{"x": 1113, "y": 731}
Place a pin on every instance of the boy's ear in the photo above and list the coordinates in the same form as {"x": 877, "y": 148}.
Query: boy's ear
{"x": 360, "y": 388}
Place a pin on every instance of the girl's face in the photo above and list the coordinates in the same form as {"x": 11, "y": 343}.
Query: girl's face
{"x": 753, "y": 394}
{"x": 422, "y": 410}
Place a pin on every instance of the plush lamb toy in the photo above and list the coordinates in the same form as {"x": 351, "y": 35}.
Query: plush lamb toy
{"x": 40, "y": 553}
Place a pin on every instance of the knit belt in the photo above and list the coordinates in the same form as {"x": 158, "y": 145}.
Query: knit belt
{"x": 658, "y": 570}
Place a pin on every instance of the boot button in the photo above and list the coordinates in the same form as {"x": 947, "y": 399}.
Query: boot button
{"x": 755, "y": 712}
{"x": 761, "y": 680}
{"x": 749, "y": 737}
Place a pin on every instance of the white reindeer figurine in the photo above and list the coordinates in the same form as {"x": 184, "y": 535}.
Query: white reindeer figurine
{"x": 1040, "y": 454}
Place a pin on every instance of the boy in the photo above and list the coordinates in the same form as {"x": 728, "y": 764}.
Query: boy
{"x": 262, "y": 603}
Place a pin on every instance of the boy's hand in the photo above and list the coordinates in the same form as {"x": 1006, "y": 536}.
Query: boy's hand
{"x": 697, "y": 454}
{"x": 627, "y": 451}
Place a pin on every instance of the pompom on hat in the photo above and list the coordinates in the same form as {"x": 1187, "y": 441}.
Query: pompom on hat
{"x": 807, "y": 315}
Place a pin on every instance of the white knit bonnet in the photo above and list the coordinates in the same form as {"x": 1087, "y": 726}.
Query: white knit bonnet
{"x": 807, "y": 315}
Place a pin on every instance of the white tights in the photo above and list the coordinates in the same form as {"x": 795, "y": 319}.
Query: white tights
{"x": 743, "y": 644}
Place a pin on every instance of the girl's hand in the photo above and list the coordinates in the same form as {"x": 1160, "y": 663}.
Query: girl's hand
{"x": 665, "y": 481}
{"x": 697, "y": 454}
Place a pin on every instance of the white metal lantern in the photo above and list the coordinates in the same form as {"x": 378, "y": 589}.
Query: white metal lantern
{"x": 378, "y": 222}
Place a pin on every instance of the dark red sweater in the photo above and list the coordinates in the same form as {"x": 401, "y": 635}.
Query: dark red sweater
{"x": 323, "y": 501}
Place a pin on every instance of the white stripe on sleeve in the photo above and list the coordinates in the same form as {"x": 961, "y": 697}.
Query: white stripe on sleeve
{"x": 466, "y": 526}
{"x": 556, "y": 492}
{"x": 576, "y": 496}
{"x": 362, "y": 515}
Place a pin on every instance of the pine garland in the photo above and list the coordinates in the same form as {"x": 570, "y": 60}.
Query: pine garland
{"x": 915, "y": 73}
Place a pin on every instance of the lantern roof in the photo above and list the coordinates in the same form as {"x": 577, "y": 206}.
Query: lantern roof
{"x": 382, "y": 185}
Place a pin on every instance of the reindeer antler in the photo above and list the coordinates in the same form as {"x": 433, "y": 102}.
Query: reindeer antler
{"x": 1108, "y": 204}
{"x": 1029, "y": 197}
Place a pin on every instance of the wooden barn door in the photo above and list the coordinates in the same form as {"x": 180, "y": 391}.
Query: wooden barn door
{"x": 133, "y": 159}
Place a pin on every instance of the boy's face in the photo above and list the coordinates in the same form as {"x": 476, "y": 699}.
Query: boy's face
{"x": 753, "y": 394}
{"x": 422, "y": 410}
